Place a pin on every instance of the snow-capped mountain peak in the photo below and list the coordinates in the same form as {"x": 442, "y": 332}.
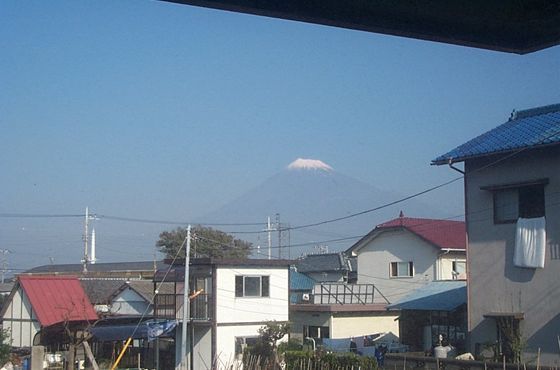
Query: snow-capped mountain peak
{"x": 309, "y": 164}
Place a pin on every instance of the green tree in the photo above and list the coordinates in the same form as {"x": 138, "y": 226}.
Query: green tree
{"x": 5, "y": 346}
{"x": 205, "y": 242}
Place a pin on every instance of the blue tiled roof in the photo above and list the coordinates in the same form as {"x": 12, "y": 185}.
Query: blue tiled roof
{"x": 435, "y": 296}
{"x": 299, "y": 281}
{"x": 528, "y": 128}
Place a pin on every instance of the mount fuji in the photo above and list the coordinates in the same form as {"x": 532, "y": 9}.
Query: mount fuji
{"x": 309, "y": 191}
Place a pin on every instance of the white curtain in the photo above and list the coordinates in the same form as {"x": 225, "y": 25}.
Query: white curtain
{"x": 530, "y": 243}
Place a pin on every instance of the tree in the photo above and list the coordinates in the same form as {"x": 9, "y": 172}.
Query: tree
{"x": 5, "y": 346}
{"x": 205, "y": 242}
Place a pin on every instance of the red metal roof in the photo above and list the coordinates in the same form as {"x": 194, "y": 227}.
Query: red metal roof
{"x": 444, "y": 234}
{"x": 57, "y": 299}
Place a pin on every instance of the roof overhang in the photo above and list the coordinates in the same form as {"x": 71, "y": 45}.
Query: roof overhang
{"x": 339, "y": 307}
{"x": 514, "y": 315}
{"x": 518, "y": 27}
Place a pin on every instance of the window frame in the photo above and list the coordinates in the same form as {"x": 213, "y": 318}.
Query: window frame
{"x": 519, "y": 188}
{"x": 410, "y": 269}
{"x": 240, "y": 291}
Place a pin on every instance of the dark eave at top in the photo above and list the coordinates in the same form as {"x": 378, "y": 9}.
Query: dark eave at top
{"x": 520, "y": 27}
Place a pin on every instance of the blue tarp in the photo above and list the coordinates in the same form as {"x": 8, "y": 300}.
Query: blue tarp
{"x": 150, "y": 330}
{"x": 435, "y": 296}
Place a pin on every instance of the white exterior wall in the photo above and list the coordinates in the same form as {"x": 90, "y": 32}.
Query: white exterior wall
{"x": 231, "y": 309}
{"x": 225, "y": 340}
{"x": 445, "y": 265}
{"x": 20, "y": 321}
{"x": 344, "y": 326}
{"x": 243, "y": 316}
{"x": 374, "y": 261}
{"x": 128, "y": 302}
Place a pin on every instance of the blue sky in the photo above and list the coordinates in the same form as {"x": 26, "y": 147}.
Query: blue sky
{"x": 154, "y": 110}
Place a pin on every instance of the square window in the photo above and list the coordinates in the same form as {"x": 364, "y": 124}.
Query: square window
{"x": 402, "y": 269}
{"x": 513, "y": 203}
{"x": 252, "y": 286}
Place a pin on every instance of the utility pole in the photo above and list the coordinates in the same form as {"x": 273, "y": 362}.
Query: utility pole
{"x": 279, "y": 229}
{"x": 186, "y": 306}
{"x": 4, "y": 262}
{"x": 86, "y": 240}
{"x": 269, "y": 230}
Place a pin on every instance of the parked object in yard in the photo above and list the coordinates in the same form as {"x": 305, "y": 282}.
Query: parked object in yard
{"x": 465, "y": 356}
{"x": 444, "y": 351}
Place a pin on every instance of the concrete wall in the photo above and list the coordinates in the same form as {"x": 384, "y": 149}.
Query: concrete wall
{"x": 375, "y": 258}
{"x": 225, "y": 340}
{"x": 232, "y": 309}
{"x": 202, "y": 347}
{"x": 20, "y": 321}
{"x": 298, "y": 319}
{"x": 359, "y": 324}
{"x": 495, "y": 284}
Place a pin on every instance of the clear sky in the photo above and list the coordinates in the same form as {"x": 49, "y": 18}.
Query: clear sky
{"x": 153, "y": 110}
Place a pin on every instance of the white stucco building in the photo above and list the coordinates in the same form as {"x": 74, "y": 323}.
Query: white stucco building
{"x": 234, "y": 298}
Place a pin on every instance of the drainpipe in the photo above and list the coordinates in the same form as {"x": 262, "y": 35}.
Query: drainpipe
{"x": 450, "y": 164}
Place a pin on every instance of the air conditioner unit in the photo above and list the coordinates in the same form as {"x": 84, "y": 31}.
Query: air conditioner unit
{"x": 305, "y": 296}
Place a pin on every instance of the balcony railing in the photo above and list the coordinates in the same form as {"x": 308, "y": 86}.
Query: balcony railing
{"x": 170, "y": 306}
{"x": 340, "y": 293}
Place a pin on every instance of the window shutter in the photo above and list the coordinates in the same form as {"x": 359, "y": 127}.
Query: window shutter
{"x": 410, "y": 269}
{"x": 239, "y": 286}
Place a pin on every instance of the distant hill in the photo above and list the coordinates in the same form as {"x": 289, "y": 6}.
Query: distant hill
{"x": 309, "y": 191}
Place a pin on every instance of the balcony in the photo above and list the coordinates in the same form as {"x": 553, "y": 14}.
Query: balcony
{"x": 170, "y": 306}
{"x": 341, "y": 297}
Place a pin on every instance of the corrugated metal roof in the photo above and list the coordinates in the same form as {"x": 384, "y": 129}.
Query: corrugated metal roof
{"x": 529, "y": 128}
{"x": 444, "y": 234}
{"x": 435, "y": 296}
{"x": 322, "y": 263}
{"x": 300, "y": 281}
{"x": 57, "y": 299}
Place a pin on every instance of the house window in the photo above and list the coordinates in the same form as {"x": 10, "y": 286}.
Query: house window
{"x": 402, "y": 269}
{"x": 316, "y": 331}
{"x": 459, "y": 269}
{"x": 243, "y": 342}
{"x": 252, "y": 286}
{"x": 513, "y": 203}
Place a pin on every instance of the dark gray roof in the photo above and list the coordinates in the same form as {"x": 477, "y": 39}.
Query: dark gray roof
{"x": 322, "y": 263}
{"x": 6, "y": 287}
{"x": 97, "y": 267}
{"x": 99, "y": 291}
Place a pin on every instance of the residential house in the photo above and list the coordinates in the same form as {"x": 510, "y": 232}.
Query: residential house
{"x": 41, "y": 308}
{"x": 229, "y": 301}
{"x": 118, "y": 297}
{"x": 403, "y": 254}
{"x": 512, "y": 193}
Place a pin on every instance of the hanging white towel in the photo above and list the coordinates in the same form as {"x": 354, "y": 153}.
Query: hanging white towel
{"x": 530, "y": 243}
